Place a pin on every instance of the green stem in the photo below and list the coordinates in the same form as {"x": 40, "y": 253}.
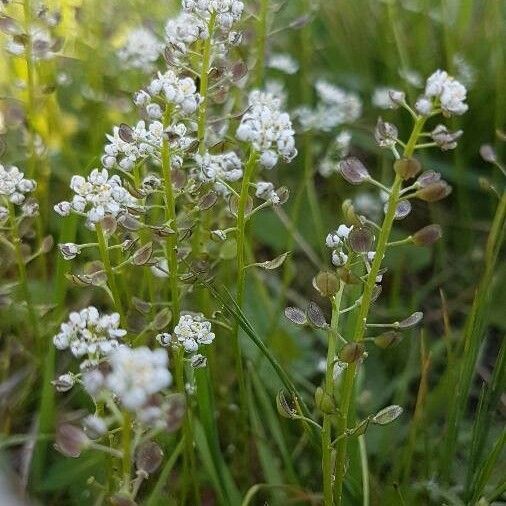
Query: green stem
{"x": 330, "y": 392}
{"x": 204, "y": 84}
{"x": 170, "y": 216}
{"x": 106, "y": 260}
{"x": 363, "y": 312}
{"x": 241, "y": 271}
{"x": 261, "y": 43}
{"x": 23, "y": 278}
{"x": 126, "y": 443}
{"x": 365, "y": 470}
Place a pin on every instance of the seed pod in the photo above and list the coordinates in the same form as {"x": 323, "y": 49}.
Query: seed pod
{"x": 274, "y": 263}
{"x": 70, "y": 440}
{"x": 427, "y": 236}
{"x": 125, "y": 133}
{"x": 109, "y": 224}
{"x": 148, "y": 457}
{"x": 488, "y": 153}
{"x": 326, "y": 283}
{"x": 427, "y": 178}
{"x": 411, "y": 321}
{"x": 361, "y": 239}
{"x": 162, "y": 319}
{"x": 434, "y": 192}
{"x": 353, "y": 170}
{"x": 347, "y": 276}
{"x": 238, "y": 71}
{"x": 283, "y": 194}
{"x": 208, "y": 200}
{"x": 296, "y": 315}
{"x": 407, "y": 167}
{"x": 143, "y": 255}
{"x": 387, "y": 415}
{"x": 385, "y": 133}
{"x": 388, "y": 339}
{"x": 47, "y": 244}
{"x": 324, "y": 402}
{"x": 350, "y": 216}
{"x": 351, "y": 352}
{"x": 284, "y": 408}
{"x": 315, "y": 315}
{"x": 402, "y": 210}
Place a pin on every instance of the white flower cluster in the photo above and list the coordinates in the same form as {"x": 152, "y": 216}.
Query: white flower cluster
{"x": 97, "y": 195}
{"x": 442, "y": 90}
{"x": 88, "y": 333}
{"x": 180, "y": 92}
{"x": 283, "y": 62}
{"x": 193, "y": 330}
{"x": 215, "y": 168}
{"x": 227, "y": 12}
{"x": 336, "y": 241}
{"x": 137, "y": 374}
{"x": 14, "y": 185}
{"x": 140, "y": 50}
{"x": 335, "y": 107}
{"x": 184, "y": 30}
{"x": 265, "y": 191}
{"x": 268, "y": 129}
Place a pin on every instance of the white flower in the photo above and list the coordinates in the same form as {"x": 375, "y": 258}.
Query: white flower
{"x": 185, "y": 29}
{"x": 89, "y": 333}
{"x": 180, "y": 92}
{"x": 335, "y": 239}
{"x": 98, "y": 195}
{"x": 140, "y": 50}
{"x": 268, "y": 129}
{"x": 265, "y": 191}
{"x": 215, "y": 168}
{"x": 450, "y": 92}
{"x": 64, "y": 382}
{"x": 94, "y": 426}
{"x": 14, "y": 185}
{"x": 69, "y": 250}
{"x": 382, "y": 99}
{"x": 227, "y": 11}
{"x": 283, "y": 62}
{"x": 192, "y": 331}
{"x": 63, "y": 208}
{"x": 137, "y": 374}
{"x": 424, "y": 105}
{"x": 339, "y": 258}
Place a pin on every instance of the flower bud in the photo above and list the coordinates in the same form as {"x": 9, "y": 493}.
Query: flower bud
{"x": 407, "y": 167}
{"x": 351, "y": 352}
{"x": 427, "y": 236}
{"x": 434, "y": 192}
{"x": 324, "y": 401}
{"x": 64, "y": 382}
{"x": 397, "y": 97}
{"x": 70, "y": 440}
{"x": 353, "y": 170}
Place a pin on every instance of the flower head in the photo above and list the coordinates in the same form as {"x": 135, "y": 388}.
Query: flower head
{"x": 192, "y": 331}
{"x": 227, "y": 12}
{"x": 215, "y": 168}
{"x": 268, "y": 129}
{"x": 140, "y": 50}
{"x": 14, "y": 185}
{"x": 88, "y": 333}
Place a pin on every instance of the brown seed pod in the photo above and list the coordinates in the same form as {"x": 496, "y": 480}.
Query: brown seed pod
{"x": 428, "y": 235}
{"x": 407, "y": 167}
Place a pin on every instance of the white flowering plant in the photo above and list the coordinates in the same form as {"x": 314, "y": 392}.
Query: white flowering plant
{"x": 266, "y": 286}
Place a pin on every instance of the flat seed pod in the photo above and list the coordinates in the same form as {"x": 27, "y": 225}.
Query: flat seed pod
{"x": 402, "y": 210}
{"x": 411, "y": 321}
{"x": 361, "y": 239}
{"x": 148, "y": 457}
{"x": 284, "y": 408}
{"x": 273, "y": 264}
{"x": 162, "y": 319}
{"x": 143, "y": 255}
{"x": 351, "y": 352}
{"x": 353, "y": 170}
{"x": 315, "y": 315}
{"x": 296, "y": 315}
{"x": 326, "y": 283}
{"x": 388, "y": 339}
{"x": 125, "y": 133}
{"x": 208, "y": 200}
{"x": 387, "y": 415}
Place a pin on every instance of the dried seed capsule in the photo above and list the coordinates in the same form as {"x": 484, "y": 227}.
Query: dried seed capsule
{"x": 387, "y": 415}
{"x": 70, "y": 440}
{"x": 407, "y": 167}
{"x": 296, "y": 315}
{"x": 351, "y": 352}
{"x": 148, "y": 457}
{"x": 315, "y": 315}
{"x": 388, "y": 339}
{"x": 434, "y": 192}
{"x": 361, "y": 239}
{"x": 385, "y": 134}
{"x": 427, "y": 236}
{"x": 326, "y": 283}
{"x": 353, "y": 170}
